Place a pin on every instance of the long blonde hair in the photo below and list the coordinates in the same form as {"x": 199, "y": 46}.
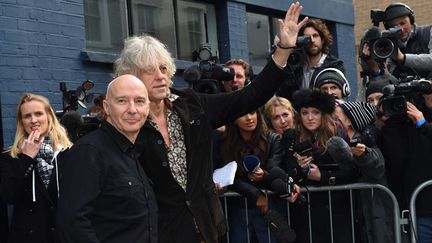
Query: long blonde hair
{"x": 56, "y": 132}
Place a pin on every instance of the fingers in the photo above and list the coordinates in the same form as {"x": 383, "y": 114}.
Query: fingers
{"x": 303, "y": 22}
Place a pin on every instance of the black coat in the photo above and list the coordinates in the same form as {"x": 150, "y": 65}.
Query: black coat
{"x": 31, "y": 221}
{"x": 199, "y": 114}
{"x": 295, "y": 82}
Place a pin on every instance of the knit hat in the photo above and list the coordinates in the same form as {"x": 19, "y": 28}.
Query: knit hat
{"x": 360, "y": 114}
{"x": 335, "y": 76}
{"x": 313, "y": 98}
{"x": 376, "y": 84}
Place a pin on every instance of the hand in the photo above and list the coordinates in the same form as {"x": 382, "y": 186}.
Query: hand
{"x": 294, "y": 194}
{"x": 262, "y": 204}
{"x": 413, "y": 113}
{"x": 257, "y": 175}
{"x": 400, "y": 57}
{"x": 303, "y": 161}
{"x": 315, "y": 173}
{"x": 220, "y": 190}
{"x": 288, "y": 31}
{"x": 366, "y": 50}
{"x": 359, "y": 149}
{"x": 32, "y": 144}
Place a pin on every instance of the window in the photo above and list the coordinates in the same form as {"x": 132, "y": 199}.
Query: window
{"x": 182, "y": 25}
{"x": 258, "y": 32}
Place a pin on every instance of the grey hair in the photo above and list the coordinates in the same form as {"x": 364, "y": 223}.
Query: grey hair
{"x": 143, "y": 54}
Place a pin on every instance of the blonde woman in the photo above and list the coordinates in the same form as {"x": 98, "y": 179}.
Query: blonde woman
{"x": 280, "y": 114}
{"x": 29, "y": 170}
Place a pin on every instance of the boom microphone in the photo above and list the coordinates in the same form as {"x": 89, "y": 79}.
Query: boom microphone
{"x": 192, "y": 74}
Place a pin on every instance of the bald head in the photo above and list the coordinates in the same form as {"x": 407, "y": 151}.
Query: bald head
{"x": 127, "y": 105}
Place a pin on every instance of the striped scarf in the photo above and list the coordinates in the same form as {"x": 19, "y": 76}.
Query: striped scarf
{"x": 44, "y": 161}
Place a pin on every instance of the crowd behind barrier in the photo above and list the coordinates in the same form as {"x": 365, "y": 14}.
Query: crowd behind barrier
{"x": 349, "y": 187}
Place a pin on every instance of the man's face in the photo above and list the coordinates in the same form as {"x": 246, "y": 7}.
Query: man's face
{"x": 239, "y": 79}
{"x": 127, "y": 105}
{"x": 404, "y": 23}
{"x": 315, "y": 47}
{"x": 331, "y": 89}
{"x": 157, "y": 83}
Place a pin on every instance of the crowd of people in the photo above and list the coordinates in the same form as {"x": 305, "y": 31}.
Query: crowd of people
{"x": 145, "y": 175}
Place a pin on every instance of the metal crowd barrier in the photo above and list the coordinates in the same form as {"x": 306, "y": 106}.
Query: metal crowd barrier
{"x": 413, "y": 215}
{"x": 329, "y": 189}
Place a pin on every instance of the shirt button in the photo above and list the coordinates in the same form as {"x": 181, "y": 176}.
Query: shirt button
{"x": 188, "y": 202}
{"x": 151, "y": 228}
{"x": 164, "y": 164}
{"x": 30, "y": 231}
{"x": 130, "y": 183}
{"x": 159, "y": 141}
{"x": 30, "y": 210}
{"x": 52, "y": 229}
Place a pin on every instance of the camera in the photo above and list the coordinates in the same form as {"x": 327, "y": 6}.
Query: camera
{"x": 296, "y": 58}
{"x": 395, "y": 97}
{"x": 208, "y": 75}
{"x": 386, "y": 45}
{"x": 354, "y": 141}
{"x": 77, "y": 125}
{"x": 303, "y": 148}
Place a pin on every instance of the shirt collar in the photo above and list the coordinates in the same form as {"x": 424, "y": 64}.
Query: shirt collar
{"x": 117, "y": 137}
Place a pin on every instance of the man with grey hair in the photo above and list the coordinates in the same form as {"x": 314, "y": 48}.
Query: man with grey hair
{"x": 177, "y": 135}
{"x": 105, "y": 194}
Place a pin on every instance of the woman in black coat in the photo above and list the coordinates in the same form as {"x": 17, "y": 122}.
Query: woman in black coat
{"x": 29, "y": 171}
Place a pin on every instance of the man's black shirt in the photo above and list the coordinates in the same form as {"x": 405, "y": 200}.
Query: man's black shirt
{"x": 105, "y": 195}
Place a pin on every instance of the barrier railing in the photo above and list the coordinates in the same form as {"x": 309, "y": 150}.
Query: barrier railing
{"x": 413, "y": 211}
{"x": 330, "y": 189}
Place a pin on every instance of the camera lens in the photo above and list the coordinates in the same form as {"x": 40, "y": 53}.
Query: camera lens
{"x": 383, "y": 48}
{"x": 295, "y": 58}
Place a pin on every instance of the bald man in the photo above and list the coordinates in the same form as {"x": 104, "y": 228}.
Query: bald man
{"x": 105, "y": 194}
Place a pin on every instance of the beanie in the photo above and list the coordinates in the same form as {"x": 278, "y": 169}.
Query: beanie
{"x": 376, "y": 84}
{"x": 313, "y": 98}
{"x": 360, "y": 114}
{"x": 332, "y": 75}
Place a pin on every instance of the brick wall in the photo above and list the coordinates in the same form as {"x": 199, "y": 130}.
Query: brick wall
{"x": 40, "y": 45}
{"x": 362, "y": 9}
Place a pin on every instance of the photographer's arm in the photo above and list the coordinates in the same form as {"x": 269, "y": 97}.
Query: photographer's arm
{"x": 418, "y": 61}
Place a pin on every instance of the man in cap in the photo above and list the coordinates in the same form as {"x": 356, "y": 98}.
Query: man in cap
{"x": 415, "y": 43}
{"x": 333, "y": 82}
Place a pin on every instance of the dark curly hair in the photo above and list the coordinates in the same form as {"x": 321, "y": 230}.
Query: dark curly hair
{"x": 323, "y": 31}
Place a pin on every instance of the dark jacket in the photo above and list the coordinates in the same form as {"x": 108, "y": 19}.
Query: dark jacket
{"x": 105, "y": 195}
{"x": 407, "y": 152}
{"x": 418, "y": 43}
{"x": 31, "y": 221}
{"x": 295, "y": 81}
{"x": 199, "y": 114}
{"x": 244, "y": 186}
{"x": 319, "y": 206}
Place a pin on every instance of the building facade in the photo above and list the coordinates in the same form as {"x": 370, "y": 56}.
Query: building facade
{"x": 44, "y": 43}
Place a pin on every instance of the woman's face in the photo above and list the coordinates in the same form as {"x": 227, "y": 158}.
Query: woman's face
{"x": 342, "y": 117}
{"x": 282, "y": 119}
{"x": 310, "y": 118}
{"x": 34, "y": 117}
{"x": 248, "y": 122}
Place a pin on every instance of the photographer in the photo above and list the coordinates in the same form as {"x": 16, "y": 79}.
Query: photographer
{"x": 241, "y": 76}
{"x": 315, "y": 57}
{"x": 406, "y": 146}
{"x": 414, "y": 44}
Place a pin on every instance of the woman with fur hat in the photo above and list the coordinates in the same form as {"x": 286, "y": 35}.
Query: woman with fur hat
{"x": 307, "y": 156}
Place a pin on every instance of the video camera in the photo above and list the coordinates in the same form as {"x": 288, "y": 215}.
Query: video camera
{"x": 208, "y": 75}
{"x": 296, "y": 58}
{"x": 383, "y": 44}
{"x": 77, "y": 125}
{"x": 395, "y": 97}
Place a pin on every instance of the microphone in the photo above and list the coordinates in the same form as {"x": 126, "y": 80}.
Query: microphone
{"x": 72, "y": 121}
{"x": 251, "y": 163}
{"x": 283, "y": 184}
